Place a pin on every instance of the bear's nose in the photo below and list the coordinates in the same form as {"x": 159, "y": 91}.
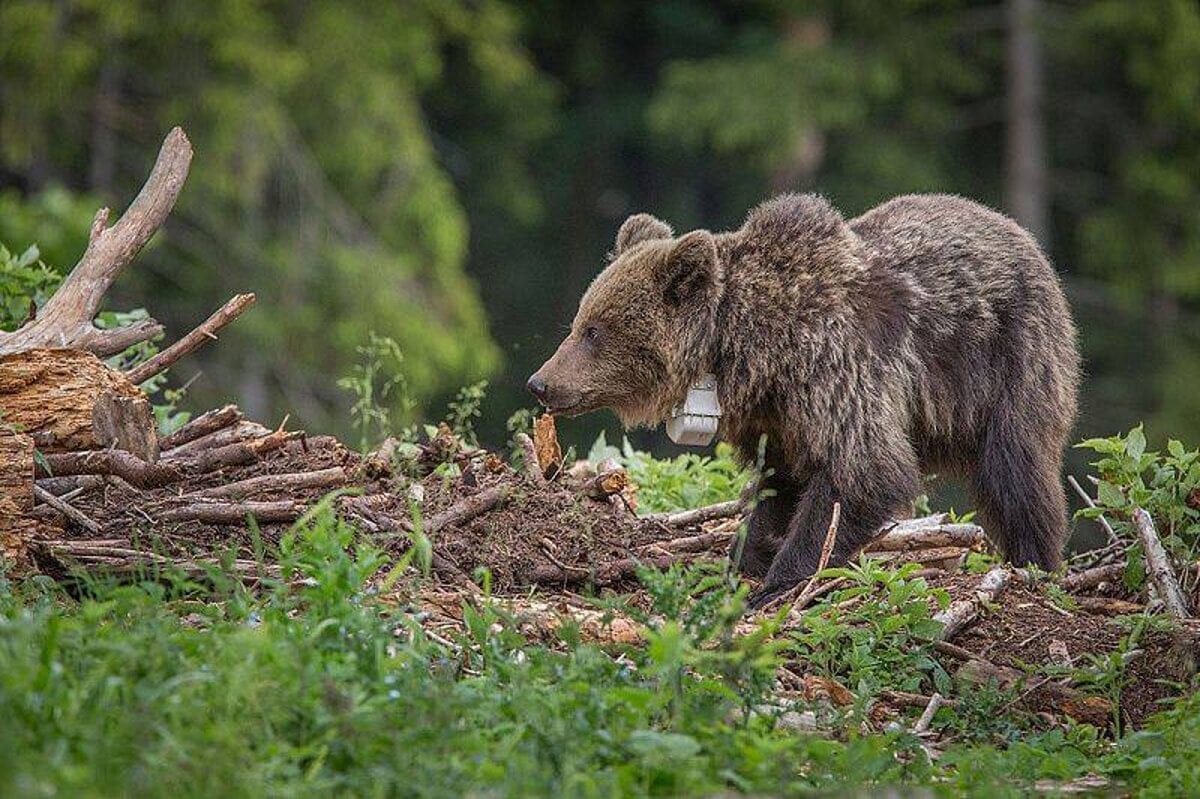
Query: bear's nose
{"x": 537, "y": 387}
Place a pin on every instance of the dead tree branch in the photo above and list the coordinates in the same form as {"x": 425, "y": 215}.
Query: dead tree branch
{"x": 206, "y": 331}
{"x": 66, "y": 319}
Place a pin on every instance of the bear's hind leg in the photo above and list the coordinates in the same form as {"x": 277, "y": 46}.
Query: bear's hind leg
{"x": 1018, "y": 487}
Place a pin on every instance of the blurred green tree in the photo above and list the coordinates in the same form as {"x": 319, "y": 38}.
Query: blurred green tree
{"x": 317, "y": 181}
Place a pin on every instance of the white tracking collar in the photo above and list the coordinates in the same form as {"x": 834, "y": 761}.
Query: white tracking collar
{"x": 694, "y": 423}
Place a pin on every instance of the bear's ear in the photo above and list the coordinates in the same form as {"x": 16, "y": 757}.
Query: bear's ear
{"x": 692, "y": 268}
{"x": 639, "y": 228}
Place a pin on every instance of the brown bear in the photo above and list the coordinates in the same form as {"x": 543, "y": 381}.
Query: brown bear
{"x": 930, "y": 333}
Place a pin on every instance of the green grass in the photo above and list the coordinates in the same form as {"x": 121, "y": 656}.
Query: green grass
{"x": 322, "y": 684}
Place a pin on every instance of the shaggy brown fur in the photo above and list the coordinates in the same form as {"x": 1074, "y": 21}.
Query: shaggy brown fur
{"x": 930, "y": 333}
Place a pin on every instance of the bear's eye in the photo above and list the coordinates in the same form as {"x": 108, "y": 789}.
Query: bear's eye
{"x": 591, "y": 334}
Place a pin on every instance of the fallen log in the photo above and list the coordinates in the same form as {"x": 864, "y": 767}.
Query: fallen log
{"x": 1158, "y": 566}
{"x": 1090, "y": 578}
{"x": 68, "y": 400}
{"x": 232, "y": 434}
{"x": 906, "y": 537}
{"x": 238, "y": 453}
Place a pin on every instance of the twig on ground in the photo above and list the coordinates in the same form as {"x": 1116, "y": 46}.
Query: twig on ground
{"x": 65, "y": 509}
{"x": 234, "y": 512}
{"x": 686, "y": 518}
{"x": 128, "y": 467}
{"x": 529, "y": 459}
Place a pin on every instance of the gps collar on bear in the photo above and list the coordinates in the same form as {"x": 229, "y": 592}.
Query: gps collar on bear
{"x": 694, "y": 423}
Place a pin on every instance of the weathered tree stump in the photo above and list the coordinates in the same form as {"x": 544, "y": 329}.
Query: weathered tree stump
{"x": 67, "y": 400}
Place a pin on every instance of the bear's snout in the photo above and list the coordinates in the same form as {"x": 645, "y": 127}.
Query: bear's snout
{"x": 537, "y": 387}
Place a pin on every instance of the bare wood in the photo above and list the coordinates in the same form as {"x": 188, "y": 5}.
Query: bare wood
{"x": 1090, "y": 578}
{"x": 909, "y": 538}
{"x": 16, "y": 470}
{"x": 546, "y": 446}
{"x": 128, "y": 467}
{"x": 1113, "y": 538}
{"x": 606, "y": 484}
{"x": 529, "y": 459}
{"x": 66, "y": 319}
{"x": 239, "y": 431}
{"x": 687, "y": 518}
{"x": 205, "y": 332}
{"x": 66, "y": 509}
{"x": 332, "y": 477}
{"x": 931, "y": 557}
{"x": 955, "y": 618}
{"x": 126, "y": 423}
{"x": 233, "y": 512}
{"x": 1158, "y": 566}
{"x": 926, "y": 719}
{"x": 52, "y": 394}
{"x": 467, "y": 509}
{"x": 202, "y": 425}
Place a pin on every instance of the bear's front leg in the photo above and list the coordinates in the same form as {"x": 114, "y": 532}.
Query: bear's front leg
{"x": 775, "y": 504}
{"x": 864, "y": 508}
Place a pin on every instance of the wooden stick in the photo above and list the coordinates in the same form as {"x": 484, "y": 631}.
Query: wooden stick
{"x": 529, "y": 459}
{"x": 1113, "y": 538}
{"x": 693, "y": 543}
{"x": 687, "y": 518}
{"x": 955, "y": 618}
{"x": 909, "y": 699}
{"x": 1158, "y": 566}
{"x": 922, "y": 725}
{"x": 202, "y": 425}
{"x": 206, "y": 331}
{"x": 234, "y": 512}
{"x": 325, "y": 478}
{"x": 66, "y": 509}
{"x": 66, "y": 319}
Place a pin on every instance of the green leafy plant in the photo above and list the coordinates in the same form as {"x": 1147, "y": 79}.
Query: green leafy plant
{"x": 685, "y": 481}
{"x": 464, "y": 410}
{"x": 1165, "y": 486}
{"x": 25, "y": 282}
{"x": 379, "y": 388}
{"x": 876, "y": 632}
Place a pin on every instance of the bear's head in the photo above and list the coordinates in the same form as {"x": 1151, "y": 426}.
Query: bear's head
{"x": 643, "y": 329}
